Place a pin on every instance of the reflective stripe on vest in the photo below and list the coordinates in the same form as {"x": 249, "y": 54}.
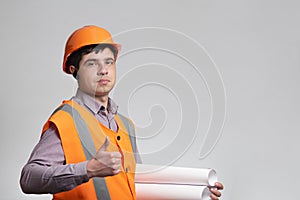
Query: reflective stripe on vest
{"x": 131, "y": 131}
{"x": 88, "y": 148}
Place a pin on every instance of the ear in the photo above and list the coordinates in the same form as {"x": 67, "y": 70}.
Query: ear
{"x": 72, "y": 69}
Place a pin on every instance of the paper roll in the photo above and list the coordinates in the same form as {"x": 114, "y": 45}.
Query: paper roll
{"x": 174, "y": 175}
{"x": 146, "y": 191}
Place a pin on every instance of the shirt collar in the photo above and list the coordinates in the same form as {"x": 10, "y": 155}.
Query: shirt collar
{"x": 93, "y": 105}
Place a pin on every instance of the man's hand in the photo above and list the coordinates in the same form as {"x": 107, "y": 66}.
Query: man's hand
{"x": 215, "y": 193}
{"x": 104, "y": 163}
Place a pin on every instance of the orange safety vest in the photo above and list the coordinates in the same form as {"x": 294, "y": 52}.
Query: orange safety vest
{"x": 81, "y": 136}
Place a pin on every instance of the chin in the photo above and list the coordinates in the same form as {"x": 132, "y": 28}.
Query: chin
{"x": 102, "y": 93}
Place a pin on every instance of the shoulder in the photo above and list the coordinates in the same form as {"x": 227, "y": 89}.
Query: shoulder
{"x": 125, "y": 118}
{"x": 127, "y": 122}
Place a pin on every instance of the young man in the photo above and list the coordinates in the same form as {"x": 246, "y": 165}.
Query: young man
{"x": 86, "y": 137}
{"x": 87, "y": 149}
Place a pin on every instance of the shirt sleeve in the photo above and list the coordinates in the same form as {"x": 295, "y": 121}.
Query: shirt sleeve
{"x": 46, "y": 170}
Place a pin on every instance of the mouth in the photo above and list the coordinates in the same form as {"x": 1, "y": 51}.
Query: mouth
{"x": 103, "y": 81}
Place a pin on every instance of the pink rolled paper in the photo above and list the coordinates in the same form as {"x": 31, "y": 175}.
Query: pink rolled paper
{"x": 174, "y": 175}
{"x": 149, "y": 191}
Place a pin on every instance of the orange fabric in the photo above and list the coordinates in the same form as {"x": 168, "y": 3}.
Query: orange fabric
{"x": 74, "y": 153}
{"x": 129, "y": 163}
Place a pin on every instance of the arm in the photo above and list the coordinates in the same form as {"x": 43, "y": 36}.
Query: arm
{"x": 46, "y": 171}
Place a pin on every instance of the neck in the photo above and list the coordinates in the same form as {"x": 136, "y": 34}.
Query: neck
{"x": 103, "y": 100}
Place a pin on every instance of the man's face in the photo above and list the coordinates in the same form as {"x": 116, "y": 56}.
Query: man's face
{"x": 97, "y": 73}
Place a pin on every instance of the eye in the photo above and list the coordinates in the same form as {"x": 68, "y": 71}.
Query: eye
{"x": 109, "y": 62}
{"x": 91, "y": 64}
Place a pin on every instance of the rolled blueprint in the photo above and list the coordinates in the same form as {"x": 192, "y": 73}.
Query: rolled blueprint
{"x": 174, "y": 175}
{"x": 149, "y": 191}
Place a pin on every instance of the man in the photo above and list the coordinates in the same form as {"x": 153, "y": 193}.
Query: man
{"x": 87, "y": 149}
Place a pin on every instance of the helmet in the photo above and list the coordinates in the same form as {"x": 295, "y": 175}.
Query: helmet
{"x": 84, "y": 36}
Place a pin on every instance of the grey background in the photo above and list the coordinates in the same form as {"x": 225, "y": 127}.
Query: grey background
{"x": 246, "y": 70}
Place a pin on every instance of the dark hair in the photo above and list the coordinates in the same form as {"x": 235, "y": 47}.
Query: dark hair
{"x": 75, "y": 58}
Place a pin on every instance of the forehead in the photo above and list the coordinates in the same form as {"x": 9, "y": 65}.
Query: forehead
{"x": 100, "y": 54}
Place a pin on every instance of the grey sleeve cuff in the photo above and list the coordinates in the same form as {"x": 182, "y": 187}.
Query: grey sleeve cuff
{"x": 81, "y": 169}
{"x": 69, "y": 181}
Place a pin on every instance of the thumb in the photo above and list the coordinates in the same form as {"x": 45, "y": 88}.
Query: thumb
{"x": 105, "y": 144}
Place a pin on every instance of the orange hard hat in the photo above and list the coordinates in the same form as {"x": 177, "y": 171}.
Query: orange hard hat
{"x": 84, "y": 36}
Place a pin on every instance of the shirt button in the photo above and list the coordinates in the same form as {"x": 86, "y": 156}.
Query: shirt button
{"x": 118, "y": 137}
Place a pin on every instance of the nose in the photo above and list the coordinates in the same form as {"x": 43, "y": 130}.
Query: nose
{"x": 102, "y": 70}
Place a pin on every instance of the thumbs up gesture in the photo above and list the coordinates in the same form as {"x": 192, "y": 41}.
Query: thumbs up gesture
{"x": 104, "y": 163}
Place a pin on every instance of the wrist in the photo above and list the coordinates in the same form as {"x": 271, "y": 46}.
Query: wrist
{"x": 90, "y": 166}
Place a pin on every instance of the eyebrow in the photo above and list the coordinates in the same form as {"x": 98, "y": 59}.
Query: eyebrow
{"x": 95, "y": 60}
{"x": 109, "y": 58}
{"x": 90, "y": 60}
